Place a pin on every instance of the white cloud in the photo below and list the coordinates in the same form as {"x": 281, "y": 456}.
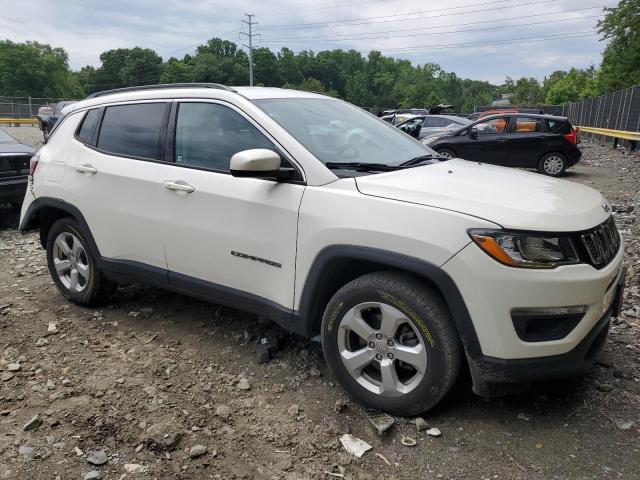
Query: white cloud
{"x": 173, "y": 27}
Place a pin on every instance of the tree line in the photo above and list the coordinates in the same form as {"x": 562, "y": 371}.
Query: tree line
{"x": 39, "y": 70}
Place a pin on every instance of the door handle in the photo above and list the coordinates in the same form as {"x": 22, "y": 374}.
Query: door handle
{"x": 179, "y": 187}
{"x": 86, "y": 169}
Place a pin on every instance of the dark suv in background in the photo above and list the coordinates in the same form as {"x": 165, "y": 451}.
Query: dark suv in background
{"x": 544, "y": 142}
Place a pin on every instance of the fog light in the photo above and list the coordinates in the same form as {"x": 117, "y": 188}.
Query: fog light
{"x": 546, "y": 324}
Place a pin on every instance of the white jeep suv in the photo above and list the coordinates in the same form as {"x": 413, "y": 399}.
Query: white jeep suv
{"x": 315, "y": 214}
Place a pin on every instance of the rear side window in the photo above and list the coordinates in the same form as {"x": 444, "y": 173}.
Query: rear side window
{"x": 529, "y": 124}
{"x": 438, "y": 122}
{"x": 208, "y": 135}
{"x": 133, "y": 130}
{"x": 88, "y": 127}
{"x": 559, "y": 126}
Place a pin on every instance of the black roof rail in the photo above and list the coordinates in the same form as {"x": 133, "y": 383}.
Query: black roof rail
{"x": 161, "y": 86}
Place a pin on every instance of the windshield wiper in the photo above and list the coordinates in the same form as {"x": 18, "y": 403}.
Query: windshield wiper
{"x": 362, "y": 166}
{"x": 419, "y": 160}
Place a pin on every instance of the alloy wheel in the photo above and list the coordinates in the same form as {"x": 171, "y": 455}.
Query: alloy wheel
{"x": 381, "y": 349}
{"x": 71, "y": 262}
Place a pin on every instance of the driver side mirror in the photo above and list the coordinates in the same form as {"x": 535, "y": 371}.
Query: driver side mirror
{"x": 473, "y": 133}
{"x": 259, "y": 163}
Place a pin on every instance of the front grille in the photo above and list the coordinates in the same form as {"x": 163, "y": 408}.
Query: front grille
{"x": 601, "y": 243}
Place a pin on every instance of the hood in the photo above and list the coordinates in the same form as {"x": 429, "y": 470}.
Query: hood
{"x": 513, "y": 199}
{"x": 17, "y": 148}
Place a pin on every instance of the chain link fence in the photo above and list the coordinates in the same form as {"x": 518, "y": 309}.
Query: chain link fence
{"x": 23, "y": 107}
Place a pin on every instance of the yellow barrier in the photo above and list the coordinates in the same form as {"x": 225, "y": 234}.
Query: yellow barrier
{"x": 19, "y": 121}
{"x": 607, "y": 132}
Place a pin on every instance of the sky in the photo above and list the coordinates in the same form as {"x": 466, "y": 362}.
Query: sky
{"x": 479, "y": 39}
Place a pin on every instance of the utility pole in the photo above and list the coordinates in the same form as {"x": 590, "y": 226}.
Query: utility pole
{"x": 250, "y": 36}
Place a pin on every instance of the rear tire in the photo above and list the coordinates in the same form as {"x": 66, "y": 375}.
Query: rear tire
{"x": 553, "y": 164}
{"x": 73, "y": 266}
{"x": 446, "y": 153}
{"x": 390, "y": 341}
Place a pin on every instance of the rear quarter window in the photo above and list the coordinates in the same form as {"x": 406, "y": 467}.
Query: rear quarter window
{"x": 559, "y": 126}
{"x": 134, "y": 130}
{"x": 88, "y": 126}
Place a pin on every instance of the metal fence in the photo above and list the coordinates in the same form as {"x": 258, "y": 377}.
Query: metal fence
{"x": 23, "y": 107}
{"x": 616, "y": 111}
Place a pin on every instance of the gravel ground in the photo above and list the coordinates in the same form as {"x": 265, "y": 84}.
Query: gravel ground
{"x": 158, "y": 385}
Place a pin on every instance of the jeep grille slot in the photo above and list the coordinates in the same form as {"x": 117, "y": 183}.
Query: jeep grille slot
{"x": 601, "y": 243}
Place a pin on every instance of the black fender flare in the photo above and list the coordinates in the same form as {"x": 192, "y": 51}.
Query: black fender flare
{"x": 30, "y": 221}
{"x": 329, "y": 255}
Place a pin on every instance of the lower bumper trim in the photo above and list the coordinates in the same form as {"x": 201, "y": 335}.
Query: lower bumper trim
{"x": 496, "y": 376}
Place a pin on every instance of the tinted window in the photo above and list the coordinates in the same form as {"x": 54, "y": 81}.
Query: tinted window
{"x": 133, "y": 130}
{"x": 89, "y": 125}
{"x": 492, "y": 126}
{"x": 527, "y": 125}
{"x": 559, "y": 126}
{"x": 439, "y": 122}
{"x": 208, "y": 135}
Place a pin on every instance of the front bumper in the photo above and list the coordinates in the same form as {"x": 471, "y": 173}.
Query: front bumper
{"x": 491, "y": 291}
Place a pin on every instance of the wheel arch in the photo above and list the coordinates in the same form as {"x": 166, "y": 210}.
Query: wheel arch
{"x": 43, "y": 212}
{"x": 337, "y": 265}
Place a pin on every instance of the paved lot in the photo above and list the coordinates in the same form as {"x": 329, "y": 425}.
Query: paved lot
{"x": 154, "y": 374}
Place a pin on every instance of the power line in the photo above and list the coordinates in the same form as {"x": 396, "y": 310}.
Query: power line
{"x": 389, "y": 18}
{"x": 250, "y": 36}
{"x": 431, "y": 28}
{"x": 363, "y": 37}
{"x": 295, "y": 12}
{"x": 490, "y": 43}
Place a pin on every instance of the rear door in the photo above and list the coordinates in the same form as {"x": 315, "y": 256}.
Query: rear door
{"x": 491, "y": 146}
{"x": 528, "y": 141}
{"x": 115, "y": 178}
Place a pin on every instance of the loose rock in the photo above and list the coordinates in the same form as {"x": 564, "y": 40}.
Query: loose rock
{"x": 197, "y": 451}
{"x": 223, "y": 411}
{"x": 135, "y": 468}
{"x": 97, "y": 457}
{"x": 421, "y": 424}
{"x": 434, "y": 432}
{"x": 32, "y": 424}
{"x": 243, "y": 384}
{"x": 14, "y": 367}
{"x": 92, "y": 475}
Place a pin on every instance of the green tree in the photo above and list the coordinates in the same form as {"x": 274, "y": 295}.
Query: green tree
{"x": 620, "y": 66}
{"x": 35, "y": 69}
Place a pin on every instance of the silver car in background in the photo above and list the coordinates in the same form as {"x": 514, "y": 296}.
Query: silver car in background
{"x": 427, "y": 125}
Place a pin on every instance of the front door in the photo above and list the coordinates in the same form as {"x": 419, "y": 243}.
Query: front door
{"x": 225, "y": 235}
{"x": 491, "y": 146}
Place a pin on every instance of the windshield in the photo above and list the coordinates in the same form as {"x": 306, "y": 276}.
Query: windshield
{"x": 5, "y": 137}
{"x": 336, "y": 131}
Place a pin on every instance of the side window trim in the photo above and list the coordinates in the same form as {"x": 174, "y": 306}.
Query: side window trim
{"x": 171, "y": 138}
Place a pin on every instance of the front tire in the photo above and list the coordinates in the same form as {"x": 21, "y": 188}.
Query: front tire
{"x": 446, "y": 153}
{"x": 390, "y": 341}
{"x": 73, "y": 265}
{"x": 553, "y": 164}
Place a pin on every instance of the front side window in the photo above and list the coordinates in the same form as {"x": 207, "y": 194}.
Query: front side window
{"x": 88, "y": 127}
{"x": 133, "y": 130}
{"x": 336, "y": 131}
{"x": 528, "y": 125}
{"x": 492, "y": 126}
{"x": 208, "y": 135}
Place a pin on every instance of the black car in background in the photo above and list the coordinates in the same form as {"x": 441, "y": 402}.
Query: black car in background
{"x": 14, "y": 169}
{"x": 49, "y": 115}
{"x": 544, "y": 142}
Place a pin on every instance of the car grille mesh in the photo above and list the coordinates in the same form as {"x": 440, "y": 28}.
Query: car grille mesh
{"x": 601, "y": 243}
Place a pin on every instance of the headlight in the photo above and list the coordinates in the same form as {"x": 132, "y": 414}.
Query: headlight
{"x": 526, "y": 250}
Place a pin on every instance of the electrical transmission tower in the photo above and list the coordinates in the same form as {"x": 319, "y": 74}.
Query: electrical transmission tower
{"x": 250, "y": 23}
